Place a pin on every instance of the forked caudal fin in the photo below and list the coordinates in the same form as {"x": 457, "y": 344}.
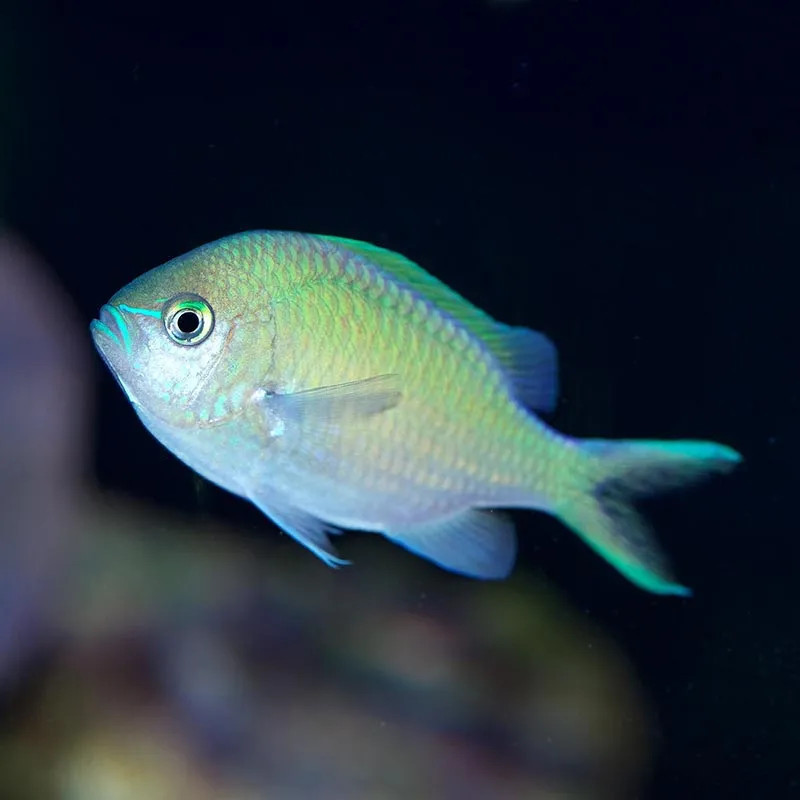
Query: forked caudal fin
{"x": 597, "y": 504}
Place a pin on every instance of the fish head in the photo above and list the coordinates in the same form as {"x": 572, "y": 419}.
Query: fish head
{"x": 183, "y": 343}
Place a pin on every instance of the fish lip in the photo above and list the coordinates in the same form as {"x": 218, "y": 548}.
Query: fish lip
{"x": 111, "y": 338}
{"x": 105, "y": 326}
{"x": 112, "y": 326}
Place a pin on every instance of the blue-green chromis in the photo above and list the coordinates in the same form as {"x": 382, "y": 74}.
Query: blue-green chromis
{"x": 338, "y": 385}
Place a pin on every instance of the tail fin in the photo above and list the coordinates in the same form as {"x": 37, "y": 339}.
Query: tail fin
{"x": 612, "y": 474}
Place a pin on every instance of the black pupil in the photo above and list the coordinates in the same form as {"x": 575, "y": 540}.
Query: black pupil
{"x": 188, "y": 321}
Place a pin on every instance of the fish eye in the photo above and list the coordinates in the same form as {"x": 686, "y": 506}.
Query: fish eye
{"x": 188, "y": 319}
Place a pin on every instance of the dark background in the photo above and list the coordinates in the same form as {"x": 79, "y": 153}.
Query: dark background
{"x": 626, "y": 179}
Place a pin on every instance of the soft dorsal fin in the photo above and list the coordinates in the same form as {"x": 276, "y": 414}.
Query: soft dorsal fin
{"x": 527, "y": 358}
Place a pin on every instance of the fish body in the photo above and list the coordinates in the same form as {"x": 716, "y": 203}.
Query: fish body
{"x": 337, "y": 385}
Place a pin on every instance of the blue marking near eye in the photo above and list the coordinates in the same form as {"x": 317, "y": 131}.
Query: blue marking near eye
{"x": 146, "y": 312}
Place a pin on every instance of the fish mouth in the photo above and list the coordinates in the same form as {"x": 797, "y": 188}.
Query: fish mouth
{"x": 110, "y": 327}
{"x": 112, "y": 338}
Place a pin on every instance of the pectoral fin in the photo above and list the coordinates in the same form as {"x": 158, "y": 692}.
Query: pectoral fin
{"x": 332, "y": 405}
{"x": 310, "y": 422}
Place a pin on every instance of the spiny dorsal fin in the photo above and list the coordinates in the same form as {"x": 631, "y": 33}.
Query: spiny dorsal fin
{"x": 527, "y": 358}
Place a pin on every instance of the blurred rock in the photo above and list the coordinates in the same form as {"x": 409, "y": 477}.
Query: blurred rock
{"x": 192, "y": 661}
{"x": 43, "y": 443}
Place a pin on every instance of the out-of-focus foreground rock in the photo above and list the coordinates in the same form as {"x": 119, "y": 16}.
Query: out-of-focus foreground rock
{"x": 146, "y": 655}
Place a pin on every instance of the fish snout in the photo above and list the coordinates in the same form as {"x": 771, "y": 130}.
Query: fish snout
{"x": 110, "y": 327}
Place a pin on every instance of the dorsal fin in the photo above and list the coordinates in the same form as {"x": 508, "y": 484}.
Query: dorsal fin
{"x": 527, "y": 358}
{"x": 421, "y": 281}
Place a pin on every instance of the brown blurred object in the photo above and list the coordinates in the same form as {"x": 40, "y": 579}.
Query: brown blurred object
{"x": 191, "y": 662}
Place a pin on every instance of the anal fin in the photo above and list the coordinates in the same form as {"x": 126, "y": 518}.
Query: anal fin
{"x": 480, "y": 544}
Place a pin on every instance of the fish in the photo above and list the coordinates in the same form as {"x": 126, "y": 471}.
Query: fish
{"x": 337, "y": 385}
